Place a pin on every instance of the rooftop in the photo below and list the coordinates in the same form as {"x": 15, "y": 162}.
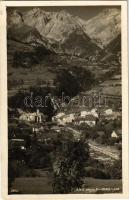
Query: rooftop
{"x": 87, "y": 117}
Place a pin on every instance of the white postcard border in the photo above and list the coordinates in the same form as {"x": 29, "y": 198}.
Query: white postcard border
{"x": 3, "y": 99}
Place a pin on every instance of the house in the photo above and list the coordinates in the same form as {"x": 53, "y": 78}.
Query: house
{"x": 35, "y": 129}
{"x": 68, "y": 118}
{"x": 108, "y": 112}
{"x": 114, "y": 134}
{"x": 58, "y": 116}
{"x": 64, "y": 119}
{"x": 83, "y": 113}
{"x": 92, "y": 112}
{"x": 88, "y": 119}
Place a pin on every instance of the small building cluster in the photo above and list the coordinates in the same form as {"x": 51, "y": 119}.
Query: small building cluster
{"x": 36, "y": 117}
{"x": 87, "y": 117}
{"x": 90, "y": 117}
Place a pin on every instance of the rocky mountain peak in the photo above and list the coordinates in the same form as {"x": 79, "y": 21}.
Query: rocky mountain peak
{"x": 104, "y": 27}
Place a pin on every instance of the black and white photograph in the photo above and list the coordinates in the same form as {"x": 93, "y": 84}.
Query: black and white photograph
{"x": 64, "y": 99}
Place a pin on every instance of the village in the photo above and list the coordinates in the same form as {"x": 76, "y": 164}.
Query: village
{"x": 100, "y": 125}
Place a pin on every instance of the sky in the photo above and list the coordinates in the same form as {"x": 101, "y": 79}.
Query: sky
{"x": 85, "y": 12}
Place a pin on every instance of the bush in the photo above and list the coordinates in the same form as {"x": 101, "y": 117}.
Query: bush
{"x": 116, "y": 170}
{"x": 96, "y": 173}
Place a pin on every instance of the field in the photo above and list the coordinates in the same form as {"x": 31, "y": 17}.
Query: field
{"x": 33, "y": 185}
{"x": 43, "y": 185}
{"x": 20, "y": 78}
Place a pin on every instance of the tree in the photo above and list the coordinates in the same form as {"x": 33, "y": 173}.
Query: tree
{"x": 67, "y": 84}
{"x": 69, "y": 167}
{"x": 14, "y": 156}
{"x": 85, "y": 77}
{"x": 72, "y": 81}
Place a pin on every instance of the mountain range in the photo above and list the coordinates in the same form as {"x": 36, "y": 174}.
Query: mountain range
{"x": 61, "y": 32}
